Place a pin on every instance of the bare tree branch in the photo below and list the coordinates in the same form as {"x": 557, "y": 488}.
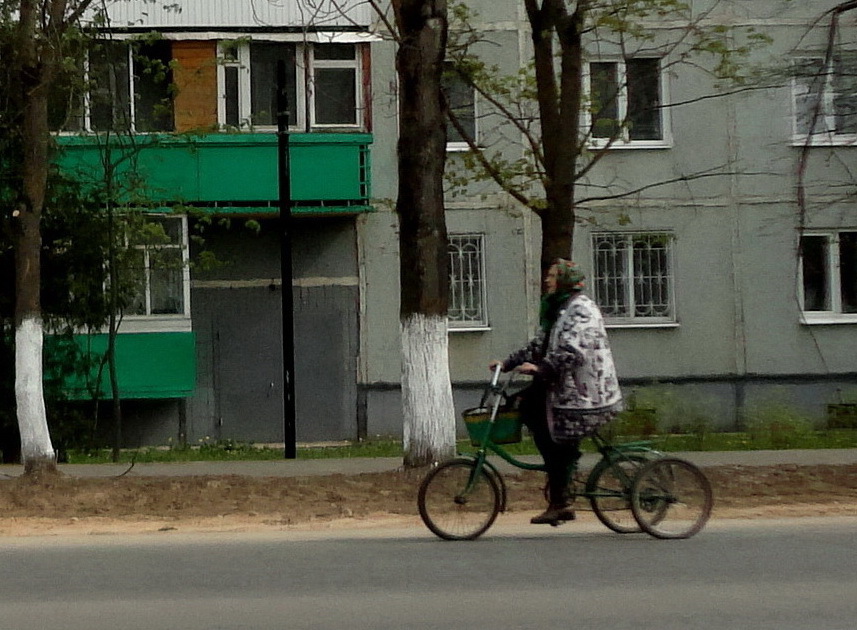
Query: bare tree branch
{"x": 391, "y": 28}
{"x": 477, "y": 152}
{"x": 667, "y": 182}
{"x": 509, "y": 116}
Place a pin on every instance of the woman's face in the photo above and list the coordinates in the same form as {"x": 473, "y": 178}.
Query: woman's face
{"x": 550, "y": 280}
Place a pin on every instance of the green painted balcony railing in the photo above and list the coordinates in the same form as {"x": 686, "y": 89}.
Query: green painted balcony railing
{"x": 330, "y": 172}
{"x": 148, "y": 365}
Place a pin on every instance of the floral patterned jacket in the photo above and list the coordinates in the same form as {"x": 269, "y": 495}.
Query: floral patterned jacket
{"x": 575, "y": 361}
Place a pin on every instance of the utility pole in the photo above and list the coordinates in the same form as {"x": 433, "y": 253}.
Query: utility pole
{"x": 285, "y": 186}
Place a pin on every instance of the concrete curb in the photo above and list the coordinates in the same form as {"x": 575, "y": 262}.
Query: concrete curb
{"x": 358, "y": 465}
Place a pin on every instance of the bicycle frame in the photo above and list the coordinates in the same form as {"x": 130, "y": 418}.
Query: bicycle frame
{"x": 631, "y": 488}
{"x": 610, "y": 453}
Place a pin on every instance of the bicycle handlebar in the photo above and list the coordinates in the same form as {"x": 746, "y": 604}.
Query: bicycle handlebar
{"x": 495, "y": 379}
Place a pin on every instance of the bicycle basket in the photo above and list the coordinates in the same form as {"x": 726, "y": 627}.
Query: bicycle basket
{"x": 505, "y": 430}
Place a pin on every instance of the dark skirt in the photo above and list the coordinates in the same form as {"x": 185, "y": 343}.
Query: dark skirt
{"x": 570, "y": 425}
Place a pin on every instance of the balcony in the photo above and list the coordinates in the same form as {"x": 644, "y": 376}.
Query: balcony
{"x": 229, "y": 173}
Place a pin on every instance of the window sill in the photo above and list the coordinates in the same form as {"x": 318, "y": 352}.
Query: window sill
{"x": 633, "y": 145}
{"x": 293, "y": 129}
{"x": 827, "y": 319}
{"x": 89, "y": 133}
{"x": 155, "y": 323}
{"x": 640, "y": 324}
{"x": 826, "y": 140}
{"x": 466, "y": 329}
{"x": 457, "y": 147}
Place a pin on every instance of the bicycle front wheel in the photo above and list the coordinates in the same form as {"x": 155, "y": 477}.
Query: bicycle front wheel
{"x": 609, "y": 491}
{"x": 458, "y": 501}
{"x": 671, "y": 498}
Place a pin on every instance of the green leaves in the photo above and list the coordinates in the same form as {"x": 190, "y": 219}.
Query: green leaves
{"x": 513, "y": 114}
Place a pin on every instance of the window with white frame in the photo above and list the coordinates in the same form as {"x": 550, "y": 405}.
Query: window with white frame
{"x": 633, "y": 276}
{"x": 825, "y": 98}
{"x": 829, "y": 275}
{"x": 334, "y": 84}
{"x": 626, "y": 102}
{"x": 122, "y": 86}
{"x": 467, "y": 281}
{"x": 322, "y": 82}
{"x": 160, "y": 268}
{"x": 461, "y": 100}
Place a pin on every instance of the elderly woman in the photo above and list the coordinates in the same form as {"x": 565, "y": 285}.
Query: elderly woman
{"x": 574, "y": 389}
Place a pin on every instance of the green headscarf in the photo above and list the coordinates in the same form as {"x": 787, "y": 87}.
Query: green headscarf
{"x": 569, "y": 279}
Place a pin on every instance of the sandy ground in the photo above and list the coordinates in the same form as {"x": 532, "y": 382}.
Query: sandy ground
{"x": 68, "y": 505}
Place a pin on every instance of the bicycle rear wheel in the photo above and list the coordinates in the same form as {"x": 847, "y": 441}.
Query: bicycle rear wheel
{"x": 609, "y": 490}
{"x": 671, "y": 498}
{"x": 457, "y": 501}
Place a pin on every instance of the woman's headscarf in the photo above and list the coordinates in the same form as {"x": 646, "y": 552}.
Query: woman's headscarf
{"x": 569, "y": 279}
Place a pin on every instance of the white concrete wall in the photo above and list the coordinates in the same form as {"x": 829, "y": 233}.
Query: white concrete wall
{"x": 238, "y": 13}
{"x": 738, "y": 334}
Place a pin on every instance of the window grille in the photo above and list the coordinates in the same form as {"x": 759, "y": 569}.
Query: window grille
{"x": 633, "y": 278}
{"x": 467, "y": 281}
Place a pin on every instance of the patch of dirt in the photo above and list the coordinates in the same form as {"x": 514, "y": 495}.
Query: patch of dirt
{"x": 69, "y": 505}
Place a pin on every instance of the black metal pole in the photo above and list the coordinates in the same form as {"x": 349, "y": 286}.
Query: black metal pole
{"x": 285, "y": 185}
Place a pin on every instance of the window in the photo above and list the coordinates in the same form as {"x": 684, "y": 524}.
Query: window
{"x": 322, "y": 83}
{"x": 829, "y": 276}
{"x": 467, "y": 281}
{"x": 626, "y": 102}
{"x": 825, "y": 98}
{"x": 334, "y": 84}
{"x": 126, "y": 87}
{"x": 461, "y": 99}
{"x": 160, "y": 260}
{"x": 633, "y": 278}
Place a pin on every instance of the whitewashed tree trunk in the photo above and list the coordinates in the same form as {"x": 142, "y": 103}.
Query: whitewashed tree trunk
{"x": 429, "y": 422}
{"x": 37, "y": 451}
{"x": 429, "y": 414}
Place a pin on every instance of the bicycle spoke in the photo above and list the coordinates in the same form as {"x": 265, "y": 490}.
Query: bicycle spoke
{"x": 671, "y": 498}
{"x": 457, "y": 501}
{"x": 609, "y": 491}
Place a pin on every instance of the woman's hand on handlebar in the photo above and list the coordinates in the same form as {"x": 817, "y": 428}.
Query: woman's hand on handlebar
{"x": 528, "y": 368}
{"x": 524, "y": 368}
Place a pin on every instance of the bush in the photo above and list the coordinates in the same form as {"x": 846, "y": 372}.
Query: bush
{"x": 777, "y": 426}
{"x": 660, "y": 410}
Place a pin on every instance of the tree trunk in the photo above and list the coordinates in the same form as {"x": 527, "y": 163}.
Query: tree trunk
{"x": 36, "y": 449}
{"x": 429, "y": 428}
{"x": 34, "y": 71}
{"x": 559, "y": 113}
{"x": 429, "y": 415}
{"x": 113, "y": 297}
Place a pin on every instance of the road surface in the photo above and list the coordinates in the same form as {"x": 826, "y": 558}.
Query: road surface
{"x": 798, "y": 574}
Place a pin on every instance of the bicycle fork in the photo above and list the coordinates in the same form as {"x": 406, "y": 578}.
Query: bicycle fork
{"x": 481, "y": 465}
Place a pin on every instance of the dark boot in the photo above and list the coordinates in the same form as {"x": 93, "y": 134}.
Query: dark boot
{"x": 554, "y": 515}
{"x": 566, "y": 513}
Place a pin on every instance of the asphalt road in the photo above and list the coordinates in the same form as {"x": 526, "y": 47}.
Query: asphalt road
{"x": 796, "y": 574}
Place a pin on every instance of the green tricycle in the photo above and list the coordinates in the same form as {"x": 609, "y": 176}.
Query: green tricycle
{"x": 632, "y": 488}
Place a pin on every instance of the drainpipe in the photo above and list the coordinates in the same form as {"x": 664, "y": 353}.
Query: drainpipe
{"x": 739, "y": 335}
{"x": 285, "y": 187}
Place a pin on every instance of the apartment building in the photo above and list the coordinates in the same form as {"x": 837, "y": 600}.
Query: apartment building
{"x": 724, "y": 257}
{"x": 185, "y": 104}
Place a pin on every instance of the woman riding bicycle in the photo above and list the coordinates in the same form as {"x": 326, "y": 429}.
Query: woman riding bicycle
{"x": 575, "y": 389}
